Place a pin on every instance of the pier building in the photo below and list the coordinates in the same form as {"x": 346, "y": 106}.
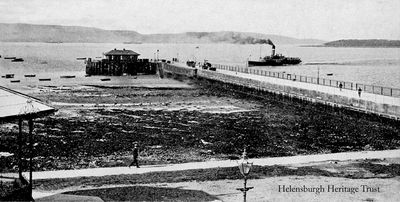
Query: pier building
{"x": 121, "y": 55}
{"x": 119, "y": 62}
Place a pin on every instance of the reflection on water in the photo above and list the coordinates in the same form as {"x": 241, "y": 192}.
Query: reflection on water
{"x": 376, "y": 66}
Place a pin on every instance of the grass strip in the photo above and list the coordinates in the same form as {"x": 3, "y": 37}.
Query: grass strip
{"x": 144, "y": 193}
{"x": 210, "y": 174}
{"x": 366, "y": 169}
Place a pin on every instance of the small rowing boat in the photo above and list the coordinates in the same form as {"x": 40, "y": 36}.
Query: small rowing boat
{"x": 9, "y": 76}
{"x": 67, "y": 77}
{"x": 17, "y": 60}
{"x": 30, "y": 75}
{"x": 46, "y": 79}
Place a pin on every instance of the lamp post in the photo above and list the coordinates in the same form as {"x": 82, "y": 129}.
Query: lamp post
{"x": 196, "y": 50}
{"x": 245, "y": 168}
{"x": 157, "y": 54}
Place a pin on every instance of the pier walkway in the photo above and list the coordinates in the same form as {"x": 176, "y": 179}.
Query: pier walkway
{"x": 327, "y": 89}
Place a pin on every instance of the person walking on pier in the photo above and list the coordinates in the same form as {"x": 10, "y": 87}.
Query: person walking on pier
{"x": 340, "y": 86}
{"x": 135, "y": 153}
{"x": 359, "y": 92}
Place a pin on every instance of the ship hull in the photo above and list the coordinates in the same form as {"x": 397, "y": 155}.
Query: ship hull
{"x": 264, "y": 63}
{"x": 279, "y": 62}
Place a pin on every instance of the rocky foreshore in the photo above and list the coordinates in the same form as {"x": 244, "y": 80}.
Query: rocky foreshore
{"x": 96, "y": 127}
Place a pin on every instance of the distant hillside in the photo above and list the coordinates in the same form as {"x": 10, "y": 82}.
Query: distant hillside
{"x": 67, "y": 34}
{"x": 364, "y": 43}
{"x": 77, "y": 34}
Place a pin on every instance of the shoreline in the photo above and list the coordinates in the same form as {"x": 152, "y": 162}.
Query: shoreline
{"x": 322, "y": 46}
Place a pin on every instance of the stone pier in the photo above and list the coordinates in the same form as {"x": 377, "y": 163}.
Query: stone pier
{"x": 382, "y": 105}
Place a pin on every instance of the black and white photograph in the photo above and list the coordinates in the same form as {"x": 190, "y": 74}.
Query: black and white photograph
{"x": 200, "y": 100}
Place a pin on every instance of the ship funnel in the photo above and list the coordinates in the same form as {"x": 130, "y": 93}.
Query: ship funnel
{"x": 273, "y": 50}
{"x": 273, "y": 46}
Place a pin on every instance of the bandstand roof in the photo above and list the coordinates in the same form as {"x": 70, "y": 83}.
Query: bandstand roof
{"x": 16, "y": 105}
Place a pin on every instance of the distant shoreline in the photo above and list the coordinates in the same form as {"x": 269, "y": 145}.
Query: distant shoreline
{"x": 325, "y": 46}
{"x": 363, "y": 43}
{"x": 149, "y": 42}
{"x": 135, "y": 43}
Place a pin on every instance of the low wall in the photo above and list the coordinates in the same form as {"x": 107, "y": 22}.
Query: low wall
{"x": 378, "y": 90}
{"x": 183, "y": 71}
{"x": 386, "y": 110}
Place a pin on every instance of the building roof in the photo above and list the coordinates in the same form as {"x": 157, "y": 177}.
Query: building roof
{"x": 121, "y": 52}
{"x": 16, "y": 105}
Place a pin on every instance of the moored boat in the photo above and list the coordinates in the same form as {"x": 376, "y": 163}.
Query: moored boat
{"x": 45, "y": 79}
{"x": 30, "y": 75}
{"x": 67, "y": 77}
{"x": 9, "y": 76}
{"x": 17, "y": 60}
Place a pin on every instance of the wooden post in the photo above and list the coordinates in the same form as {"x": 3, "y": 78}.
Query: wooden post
{"x": 103, "y": 67}
{"x": 30, "y": 122}
{"x": 20, "y": 149}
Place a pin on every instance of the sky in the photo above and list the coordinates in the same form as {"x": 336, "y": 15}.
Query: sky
{"x": 318, "y": 19}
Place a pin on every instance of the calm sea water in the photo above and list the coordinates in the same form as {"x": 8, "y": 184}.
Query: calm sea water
{"x": 375, "y": 66}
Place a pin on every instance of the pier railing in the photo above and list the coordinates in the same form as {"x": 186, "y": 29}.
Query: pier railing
{"x": 380, "y": 90}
